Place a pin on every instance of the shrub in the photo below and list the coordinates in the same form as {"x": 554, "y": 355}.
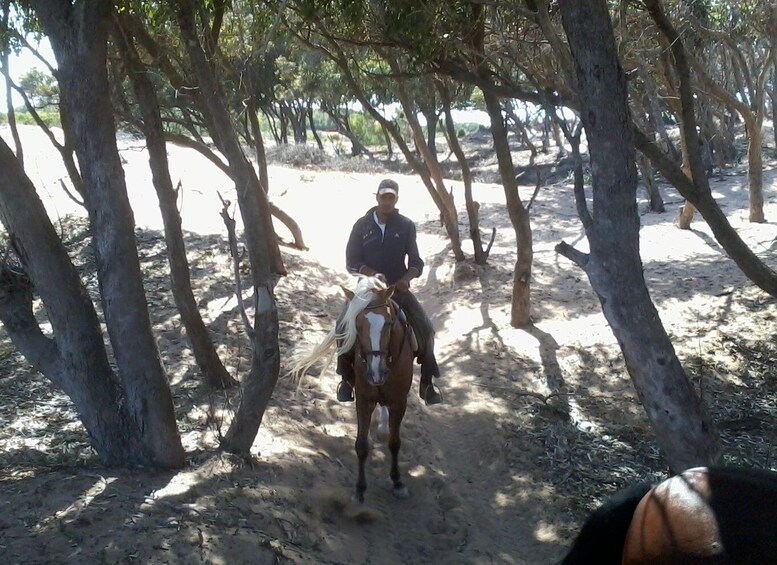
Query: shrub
{"x": 297, "y": 155}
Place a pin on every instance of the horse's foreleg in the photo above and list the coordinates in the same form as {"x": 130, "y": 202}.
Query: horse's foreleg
{"x": 396, "y": 413}
{"x": 363, "y": 415}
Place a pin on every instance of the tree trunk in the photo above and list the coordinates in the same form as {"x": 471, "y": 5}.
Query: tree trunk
{"x": 264, "y": 178}
{"x": 261, "y": 153}
{"x": 520, "y": 127}
{"x": 696, "y": 189}
{"x": 722, "y": 140}
{"x": 448, "y": 211}
{"x": 654, "y": 194}
{"x": 6, "y": 71}
{"x": 687, "y": 210}
{"x": 520, "y": 314}
{"x": 481, "y": 257}
{"x": 387, "y": 137}
{"x": 344, "y": 128}
{"x": 685, "y": 215}
{"x": 75, "y": 359}
{"x": 562, "y": 151}
{"x": 11, "y": 114}
{"x": 78, "y": 36}
{"x": 545, "y": 134}
{"x": 442, "y": 197}
{"x": 439, "y": 195}
{"x": 751, "y": 110}
{"x": 204, "y": 351}
{"x": 700, "y": 197}
{"x": 773, "y": 97}
{"x": 258, "y": 385}
{"x": 65, "y": 151}
{"x": 431, "y": 132}
{"x": 683, "y": 428}
{"x": 656, "y": 115}
{"x": 755, "y": 173}
{"x": 313, "y": 129}
{"x": 262, "y": 246}
{"x": 520, "y": 309}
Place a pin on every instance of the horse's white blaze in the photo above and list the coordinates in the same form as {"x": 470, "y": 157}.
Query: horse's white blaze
{"x": 376, "y": 322}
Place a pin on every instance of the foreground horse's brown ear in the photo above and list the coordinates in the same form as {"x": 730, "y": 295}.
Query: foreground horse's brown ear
{"x": 348, "y": 293}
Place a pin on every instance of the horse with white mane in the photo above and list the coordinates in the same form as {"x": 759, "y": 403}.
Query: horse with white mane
{"x": 383, "y": 366}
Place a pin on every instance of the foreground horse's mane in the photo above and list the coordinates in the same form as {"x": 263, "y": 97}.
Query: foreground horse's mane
{"x": 345, "y": 331}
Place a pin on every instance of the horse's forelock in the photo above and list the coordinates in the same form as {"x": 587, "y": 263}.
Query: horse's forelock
{"x": 368, "y": 285}
{"x": 366, "y": 290}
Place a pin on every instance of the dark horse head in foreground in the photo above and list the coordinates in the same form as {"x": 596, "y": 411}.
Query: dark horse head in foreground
{"x": 383, "y": 367}
{"x": 703, "y": 516}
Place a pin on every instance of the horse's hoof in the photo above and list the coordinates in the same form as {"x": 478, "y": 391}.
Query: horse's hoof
{"x": 401, "y": 492}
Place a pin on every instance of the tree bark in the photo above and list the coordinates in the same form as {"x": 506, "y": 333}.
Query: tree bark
{"x": 481, "y": 257}
{"x": 259, "y": 149}
{"x": 65, "y": 150}
{"x": 654, "y": 194}
{"x": 520, "y": 313}
{"x": 431, "y": 131}
{"x": 312, "y": 123}
{"x": 700, "y": 196}
{"x": 520, "y": 310}
{"x": 447, "y": 208}
{"x": 216, "y": 375}
{"x": 263, "y": 252}
{"x": 6, "y": 71}
{"x": 695, "y": 187}
{"x": 750, "y": 105}
{"x": 683, "y": 428}
{"x": 75, "y": 359}
{"x": 78, "y": 35}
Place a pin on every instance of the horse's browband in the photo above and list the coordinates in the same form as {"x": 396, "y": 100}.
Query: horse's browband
{"x": 376, "y": 306}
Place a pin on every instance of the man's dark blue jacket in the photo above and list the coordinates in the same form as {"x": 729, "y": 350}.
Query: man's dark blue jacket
{"x": 385, "y": 253}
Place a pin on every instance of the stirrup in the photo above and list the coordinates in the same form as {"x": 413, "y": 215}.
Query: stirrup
{"x": 431, "y": 395}
{"x": 344, "y": 392}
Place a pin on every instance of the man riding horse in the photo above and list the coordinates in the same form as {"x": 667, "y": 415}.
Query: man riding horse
{"x": 379, "y": 242}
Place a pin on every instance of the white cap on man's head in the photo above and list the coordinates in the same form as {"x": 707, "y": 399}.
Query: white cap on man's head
{"x": 388, "y": 186}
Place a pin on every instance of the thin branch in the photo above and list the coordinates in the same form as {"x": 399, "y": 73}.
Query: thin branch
{"x": 577, "y": 257}
{"x": 229, "y": 222}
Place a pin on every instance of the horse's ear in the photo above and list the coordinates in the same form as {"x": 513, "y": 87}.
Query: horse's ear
{"x": 348, "y": 293}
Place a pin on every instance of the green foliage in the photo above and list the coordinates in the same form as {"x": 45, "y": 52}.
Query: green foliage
{"x": 41, "y": 88}
{"x": 740, "y": 18}
{"x": 466, "y": 128}
{"x": 322, "y": 121}
{"x": 366, "y": 129}
{"x": 49, "y": 117}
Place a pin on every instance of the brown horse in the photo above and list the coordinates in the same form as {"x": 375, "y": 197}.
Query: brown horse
{"x": 383, "y": 367}
{"x": 703, "y": 516}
